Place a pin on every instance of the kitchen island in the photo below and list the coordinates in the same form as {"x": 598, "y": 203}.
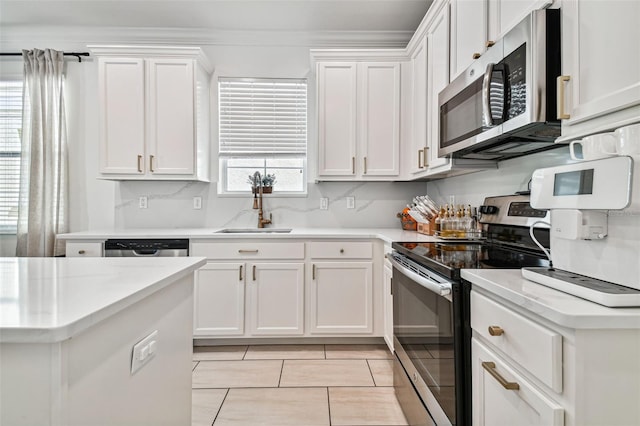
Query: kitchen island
{"x": 68, "y": 328}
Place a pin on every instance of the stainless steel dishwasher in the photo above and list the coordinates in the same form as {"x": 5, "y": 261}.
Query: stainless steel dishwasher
{"x": 146, "y": 247}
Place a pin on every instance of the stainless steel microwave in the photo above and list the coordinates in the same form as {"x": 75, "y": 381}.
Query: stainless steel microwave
{"x": 504, "y": 105}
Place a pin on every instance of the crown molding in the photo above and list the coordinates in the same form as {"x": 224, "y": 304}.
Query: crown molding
{"x": 27, "y": 36}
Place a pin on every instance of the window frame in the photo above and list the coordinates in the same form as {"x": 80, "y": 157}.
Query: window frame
{"x": 12, "y": 229}
{"x": 223, "y": 190}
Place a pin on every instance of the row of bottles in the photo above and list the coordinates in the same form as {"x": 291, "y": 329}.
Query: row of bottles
{"x": 456, "y": 222}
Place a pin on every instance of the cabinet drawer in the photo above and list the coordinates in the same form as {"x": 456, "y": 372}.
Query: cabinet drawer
{"x": 502, "y": 397}
{"x": 84, "y": 249}
{"x": 340, "y": 250}
{"x": 534, "y": 347}
{"x": 248, "y": 250}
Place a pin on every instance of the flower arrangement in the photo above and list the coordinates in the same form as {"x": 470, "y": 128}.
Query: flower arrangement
{"x": 268, "y": 181}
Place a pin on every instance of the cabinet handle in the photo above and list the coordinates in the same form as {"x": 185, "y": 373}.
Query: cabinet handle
{"x": 490, "y": 367}
{"x": 365, "y": 165}
{"x": 420, "y": 158}
{"x": 247, "y": 251}
{"x": 476, "y": 55}
{"x": 313, "y": 271}
{"x": 495, "y": 330}
{"x": 490, "y": 43}
{"x": 341, "y": 251}
{"x": 425, "y": 156}
{"x": 151, "y": 164}
{"x": 254, "y": 272}
{"x": 81, "y": 252}
{"x": 140, "y": 163}
{"x": 561, "y": 115}
{"x": 353, "y": 165}
{"x": 240, "y": 273}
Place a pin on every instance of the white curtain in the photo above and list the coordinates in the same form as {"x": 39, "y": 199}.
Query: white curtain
{"x": 43, "y": 171}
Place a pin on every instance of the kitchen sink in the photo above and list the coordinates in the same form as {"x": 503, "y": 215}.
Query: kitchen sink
{"x": 254, "y": 231}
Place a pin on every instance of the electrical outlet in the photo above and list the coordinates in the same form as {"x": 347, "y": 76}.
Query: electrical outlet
{"x": 144, "y": 351}
{"x": 142, "y": 202}
{"x": 351, "y": 202}
{"x": 197, "y": 203}
{"x": 324, "y": 203}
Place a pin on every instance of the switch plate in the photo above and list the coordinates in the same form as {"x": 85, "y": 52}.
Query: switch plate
{"x": 324, "y": 203}
{"x": 197, "y": 203}
{"x": 144, "y": 351}
{"x": 351, "y": 202}
{"x": 142, "y": 202}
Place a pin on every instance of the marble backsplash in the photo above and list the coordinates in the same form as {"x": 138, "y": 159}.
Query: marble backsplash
{"x": 170, "y": 204}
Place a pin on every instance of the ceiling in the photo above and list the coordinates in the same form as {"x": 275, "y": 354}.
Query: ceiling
{"x": 220, "y": 15}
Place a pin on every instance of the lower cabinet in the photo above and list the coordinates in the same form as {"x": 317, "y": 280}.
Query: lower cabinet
{"x": 276, "y": 299}
{"x": 503, "y": 397}
{"x": 387, "y": 298}
{"x": 219, "y": 300}
{"x": 341, "y": 297}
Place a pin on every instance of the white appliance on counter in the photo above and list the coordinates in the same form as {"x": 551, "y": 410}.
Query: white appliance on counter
{"x": 595, "y": 229}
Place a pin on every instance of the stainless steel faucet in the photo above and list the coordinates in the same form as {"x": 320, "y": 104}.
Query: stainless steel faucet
{"x": 257, "y": 202}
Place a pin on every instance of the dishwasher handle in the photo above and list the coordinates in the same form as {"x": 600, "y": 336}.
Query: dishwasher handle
{"x": 146, "y": 253}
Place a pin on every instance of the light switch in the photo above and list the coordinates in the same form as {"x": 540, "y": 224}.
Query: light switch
{"x": 197, "y": 203}
{"x": 142, "y": 202}
{"x": 324, "y": 203}
{"x": 351, "y": 202}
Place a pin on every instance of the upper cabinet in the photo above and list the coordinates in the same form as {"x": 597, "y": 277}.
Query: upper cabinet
{"x": 358, "y": 114}
{"x": 600, "y": 86}
{"x": 477, "y": 24}
{"x": 154, "y": 109}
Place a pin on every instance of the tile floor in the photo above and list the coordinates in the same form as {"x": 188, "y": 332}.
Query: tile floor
{"x": 301, "y": 385}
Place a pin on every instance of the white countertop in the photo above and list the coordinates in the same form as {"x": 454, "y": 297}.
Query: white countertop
{"x": 52, "y": 299}
{"x": 387, "y": 235}
{"x": 561, "y": 308}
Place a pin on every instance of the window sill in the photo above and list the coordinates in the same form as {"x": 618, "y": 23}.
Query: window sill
{"x": 248, "y": 194}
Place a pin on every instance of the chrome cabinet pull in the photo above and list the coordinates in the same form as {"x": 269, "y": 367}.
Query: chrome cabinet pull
{"x": 353, "y": 165}
{"x": 254, "y": 272}
{"x": 495, "y": 330}
{"x": 490, "y": 367}
{"x": 81, "y": 252}
{"x": 365, "y": 165}
{"x": 140, "y": 163}
{"x": 341, "y": 251}
{"x": 247, "y": 251}
{"x": 313, "y": 271}
{"x": 420, "y": 158}
{"x": 240, "y": 273}
{"x": 561, "y": 115}
{"x": 151, "y": 163}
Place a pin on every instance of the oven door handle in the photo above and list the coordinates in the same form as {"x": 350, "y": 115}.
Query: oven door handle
{"x": 441, "y": 289}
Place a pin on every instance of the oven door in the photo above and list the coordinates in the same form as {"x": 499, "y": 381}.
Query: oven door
{"x": 428, "y": 336}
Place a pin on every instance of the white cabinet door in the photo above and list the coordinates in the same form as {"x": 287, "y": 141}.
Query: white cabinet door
{"x": 341, "y": 298}
{"x": 219, "y": 300}
{"x": 437, "y": 80}
{"x": 495, "y": 401}
{"x": 469, "y": 27}
{"x": 419, "y": 109}
{"x": 276, "y": 299}
{"x": 337, "y": 100}
{"x": 388, "y": 305}
{"x": 379, "y": 114}
{"x": 171, "y": 118}
{"x": 122, "y": 116}
{"x": 506, "y": 14}
{"x": 601, "y": 57}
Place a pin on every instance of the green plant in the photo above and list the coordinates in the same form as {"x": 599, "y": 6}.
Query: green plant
{"x": 269, "y": 180}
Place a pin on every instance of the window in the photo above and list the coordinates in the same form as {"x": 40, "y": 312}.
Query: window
{"x": 263, "y": 127}
{"x": 10, "y": 132}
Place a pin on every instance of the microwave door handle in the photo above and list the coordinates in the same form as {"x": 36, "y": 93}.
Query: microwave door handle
{"x": 486, "y": 98}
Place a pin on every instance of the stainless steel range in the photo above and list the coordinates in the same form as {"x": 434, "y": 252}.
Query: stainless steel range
{"x": 432, "y": 333}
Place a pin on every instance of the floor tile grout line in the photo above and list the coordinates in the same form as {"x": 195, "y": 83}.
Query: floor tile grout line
{"x": 371, "y": 372}
{"x": 220, "y": 408}
{"x": 281, "y": 370}
{"x": 329, "y": 405}
{"x": 245, "y": 351}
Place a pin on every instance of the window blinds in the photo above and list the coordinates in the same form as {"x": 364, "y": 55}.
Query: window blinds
{"x": 10, "y": 146}
{"x": 262, "y": 117}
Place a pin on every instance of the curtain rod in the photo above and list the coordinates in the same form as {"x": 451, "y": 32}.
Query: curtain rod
{"x": 78, "y": 55}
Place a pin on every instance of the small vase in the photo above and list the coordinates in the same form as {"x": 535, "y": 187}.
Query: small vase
{"x": 265, "y": 190}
